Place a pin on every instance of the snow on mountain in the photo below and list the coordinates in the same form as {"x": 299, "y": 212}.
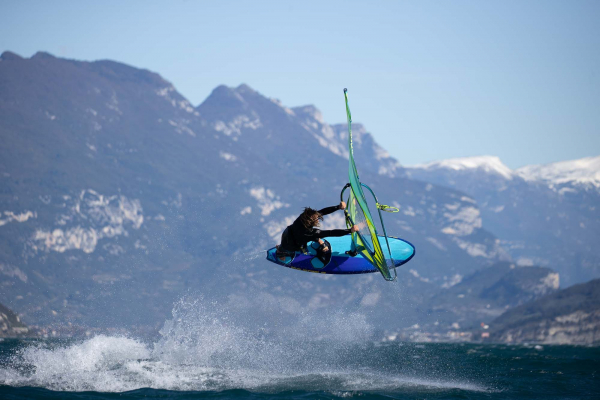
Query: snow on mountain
{"x": 585, "y": 171}
{"x": 490, "y": 164}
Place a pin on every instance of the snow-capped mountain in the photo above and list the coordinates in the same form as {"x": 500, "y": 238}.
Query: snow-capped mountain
{"x": 488, "y": 164}
{"x": 544, "y": 215}
{"x": 584, "y": 172}
{"x": 117, "y": 196}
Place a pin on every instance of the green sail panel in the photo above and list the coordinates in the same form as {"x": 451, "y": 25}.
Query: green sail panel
{"x": 365, "y": 240}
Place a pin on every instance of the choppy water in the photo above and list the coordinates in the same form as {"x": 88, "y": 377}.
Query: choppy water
{"x": 203, "y": 353}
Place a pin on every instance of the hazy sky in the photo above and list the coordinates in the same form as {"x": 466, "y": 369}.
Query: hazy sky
{"x": 430, "y": 80}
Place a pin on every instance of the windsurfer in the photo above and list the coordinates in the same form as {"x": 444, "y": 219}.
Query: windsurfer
{"x": 305, "y": 229}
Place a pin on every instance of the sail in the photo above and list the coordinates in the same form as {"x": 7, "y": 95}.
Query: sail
{"x": 366, "y": 241}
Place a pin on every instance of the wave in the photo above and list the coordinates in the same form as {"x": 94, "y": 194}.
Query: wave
{"x": 206, "y": 346}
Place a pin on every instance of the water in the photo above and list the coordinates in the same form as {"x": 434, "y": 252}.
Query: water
{"x": 205, "y": 352}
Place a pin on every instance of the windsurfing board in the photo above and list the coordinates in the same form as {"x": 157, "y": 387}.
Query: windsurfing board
{"x": 339, "y": 261}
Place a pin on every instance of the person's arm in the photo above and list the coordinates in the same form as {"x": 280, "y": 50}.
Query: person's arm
{"x": 329, "y": 210}
{"x": 318, "y": 234}
{"x": 331, "y": 233}
{"x": 332, "y": 209}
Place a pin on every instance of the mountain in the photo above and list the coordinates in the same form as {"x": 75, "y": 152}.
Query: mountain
{"x": 118, "y": 197}
{"x": 489, "y": 292}
{"x": 570, "y": 316}
{"x": 543, "y": 215}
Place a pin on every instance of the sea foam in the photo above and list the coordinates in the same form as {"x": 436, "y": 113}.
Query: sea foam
{"x": 207, "y": 345}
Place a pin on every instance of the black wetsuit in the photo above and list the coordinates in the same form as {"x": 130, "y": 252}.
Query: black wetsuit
{"x": 297, "y": 235}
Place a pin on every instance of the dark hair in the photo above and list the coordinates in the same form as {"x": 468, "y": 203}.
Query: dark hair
{"x": 307, "y": 217}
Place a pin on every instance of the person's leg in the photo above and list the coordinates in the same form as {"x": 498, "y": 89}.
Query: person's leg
{"x": 282, "y": 252}
{"x": 324, "y": 255}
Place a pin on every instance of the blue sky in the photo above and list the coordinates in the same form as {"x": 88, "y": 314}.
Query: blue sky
{"x": 430, "y": 79}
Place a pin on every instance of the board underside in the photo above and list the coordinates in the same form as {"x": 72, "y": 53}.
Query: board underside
{"x": 340, "y": 262}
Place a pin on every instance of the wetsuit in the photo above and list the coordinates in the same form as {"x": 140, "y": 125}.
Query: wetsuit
{"x": 297, "y": 235}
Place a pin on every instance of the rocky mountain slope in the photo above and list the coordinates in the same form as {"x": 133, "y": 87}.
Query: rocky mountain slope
{"x": 570, "y": 316}
{"x": 11, "y": 325}
{"x": 487, "y": 293}
{"x": 466, "y": 302}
